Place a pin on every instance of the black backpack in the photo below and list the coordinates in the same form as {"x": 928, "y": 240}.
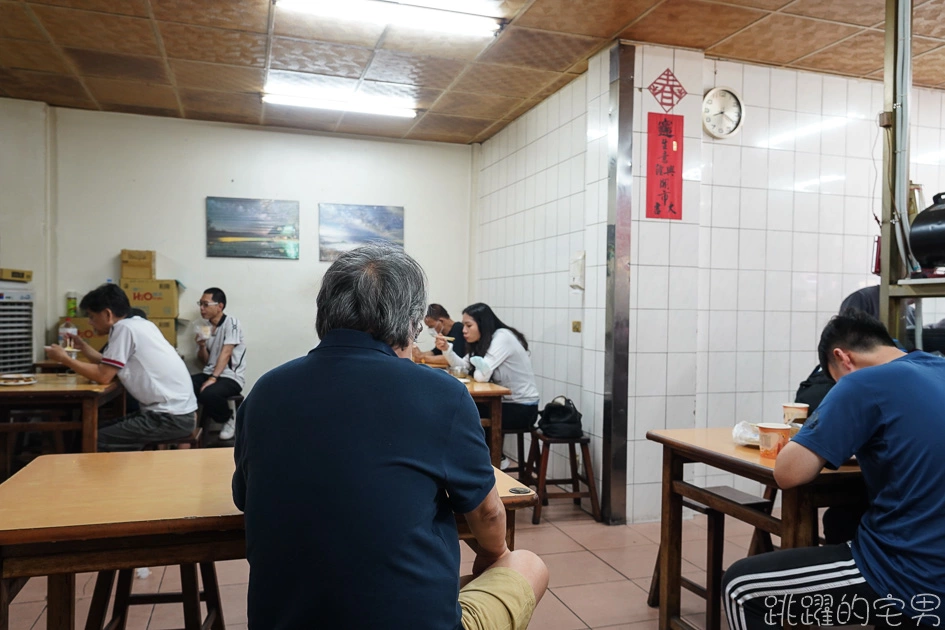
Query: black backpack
{"x": 560, "y": 419}
{"x": 813, "y": 389}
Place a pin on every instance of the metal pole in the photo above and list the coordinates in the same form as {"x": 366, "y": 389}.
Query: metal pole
{"x": 617, "y": 323}
{"x": 897, "y": 86}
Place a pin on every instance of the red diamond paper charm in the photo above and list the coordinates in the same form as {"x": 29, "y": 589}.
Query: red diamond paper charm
{"x": 667, "y": 90}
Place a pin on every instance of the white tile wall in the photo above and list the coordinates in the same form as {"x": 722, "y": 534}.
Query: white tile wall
{"x": 727, "y": 304}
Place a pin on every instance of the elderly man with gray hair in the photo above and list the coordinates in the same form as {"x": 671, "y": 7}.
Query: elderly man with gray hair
{"x": 350, "y": 464}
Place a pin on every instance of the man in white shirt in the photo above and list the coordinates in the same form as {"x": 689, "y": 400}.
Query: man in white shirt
{"x": 147, "y": 366}
{"x": 222, "y": 353}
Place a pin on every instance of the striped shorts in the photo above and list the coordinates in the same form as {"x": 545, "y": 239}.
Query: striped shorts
{"x": 815, "y": 586}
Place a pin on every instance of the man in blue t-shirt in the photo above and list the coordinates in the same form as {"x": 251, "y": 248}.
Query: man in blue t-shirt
{"x": 350, "y": 465}
{"x": 888, "y": 409}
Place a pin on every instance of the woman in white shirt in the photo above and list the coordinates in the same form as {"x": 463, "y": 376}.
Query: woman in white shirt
{"x": 497, "y": 353}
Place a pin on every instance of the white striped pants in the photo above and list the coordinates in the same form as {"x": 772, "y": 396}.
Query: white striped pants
{"x": 818, "y": 586}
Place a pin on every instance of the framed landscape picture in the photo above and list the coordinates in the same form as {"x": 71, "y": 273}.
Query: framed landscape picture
{"x": 252, "y": 228}
{"x": 342, "y": 227}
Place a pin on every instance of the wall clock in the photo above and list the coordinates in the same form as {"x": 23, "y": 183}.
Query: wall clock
{"x": 722, "y": 112}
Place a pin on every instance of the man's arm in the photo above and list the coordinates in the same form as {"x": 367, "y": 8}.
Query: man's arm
{"x": 202, "y": 354}
{"x": 101, "y": 373}
{"x": 222, "y": 360}
{"x": 487, "y": 524}
{"x": 797, "y": 465}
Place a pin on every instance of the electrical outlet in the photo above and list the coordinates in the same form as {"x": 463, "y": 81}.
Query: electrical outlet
{"x": 575, "y": 326}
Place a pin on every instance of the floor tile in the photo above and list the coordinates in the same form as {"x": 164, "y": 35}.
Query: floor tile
{"x": 694, "y": 551}
{"x": 607, "y": 603}
{"x": 651, "y": 624}
{"x": 23, "y": 616}
{"x": 578, "y": 567}
{"x": 546, "y": 540}
{"x": 551, "y": 614}
{"x": 633, "y": 562}
{"x": 690, "y": 530}
{"x": 237, "y": 571}
{"x": 596, "y": 536}
{"x": 33, "y": 591}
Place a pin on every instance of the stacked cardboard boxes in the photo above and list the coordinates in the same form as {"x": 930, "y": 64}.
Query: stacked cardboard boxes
{"x": 159, "y": 299}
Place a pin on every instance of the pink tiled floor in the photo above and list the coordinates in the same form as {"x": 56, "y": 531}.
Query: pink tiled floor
{"x": 599, "y": 576}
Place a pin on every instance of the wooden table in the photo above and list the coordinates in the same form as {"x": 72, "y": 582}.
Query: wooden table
{"x": 63, "y": 390}
{"x": 492, "y": 394}
{"x": 66, "y": 514}
{"x": 797, "y": 526}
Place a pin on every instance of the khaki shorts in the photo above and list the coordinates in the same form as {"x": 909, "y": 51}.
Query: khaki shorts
{"x": 499, "y": 599}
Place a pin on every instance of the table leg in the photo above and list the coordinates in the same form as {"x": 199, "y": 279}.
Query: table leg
{"x": 60, "y": 602}
{"x": 495, "y": 447}
{"x": 89, "y": 425}
{"x": 510, "y": 529}
{"x": 670, "y": 541}
{"x": 798, "y": 519}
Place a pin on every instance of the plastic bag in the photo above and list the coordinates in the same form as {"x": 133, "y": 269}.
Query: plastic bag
{"x": 745, "y": 434}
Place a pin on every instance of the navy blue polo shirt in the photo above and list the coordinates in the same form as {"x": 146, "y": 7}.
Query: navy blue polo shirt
{"x": 892, "y": 417}
{"x": 350, "y": 463}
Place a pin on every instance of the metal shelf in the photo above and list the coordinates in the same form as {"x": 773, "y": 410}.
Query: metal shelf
{"x": 926, "y": 288}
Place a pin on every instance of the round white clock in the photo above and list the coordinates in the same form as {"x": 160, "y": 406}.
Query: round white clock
{"x": 722, "y": 112}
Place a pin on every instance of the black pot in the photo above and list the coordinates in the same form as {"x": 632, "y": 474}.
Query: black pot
{"x": 927, "y": 236}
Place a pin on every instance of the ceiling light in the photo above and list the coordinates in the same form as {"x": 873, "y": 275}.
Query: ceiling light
{"x": 397, "y": 14}
{"x": 361, "y": 106}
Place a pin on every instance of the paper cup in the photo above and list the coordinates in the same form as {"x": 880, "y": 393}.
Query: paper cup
{"x": 794, "y": 412}
{"x": 772, "y": 437}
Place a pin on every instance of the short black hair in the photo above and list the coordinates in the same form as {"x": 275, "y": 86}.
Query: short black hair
{"x": 107, "y": 296}
{"x": 436, "y": 311}
{"x": 137, "y": 312}
{"x": 853, "y": 330}
{"x": 217, "y": 294}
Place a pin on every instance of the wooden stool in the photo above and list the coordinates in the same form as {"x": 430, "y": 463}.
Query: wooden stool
{"x": 542, "y": 443}
{"x": 523, "y": 466}
{"x": 712, "y": 592}
{"x": 54, "y": 421}
{"x": 190, "y": 596}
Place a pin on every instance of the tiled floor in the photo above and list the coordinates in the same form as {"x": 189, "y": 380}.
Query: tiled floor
{"x": 599, "y": 576}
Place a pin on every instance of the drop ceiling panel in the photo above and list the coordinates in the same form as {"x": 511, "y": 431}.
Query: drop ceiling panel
{"x": 319, "y": 58}
{"x": 596, "y": 18}
{"x": 16, "y": 23}
{"x": 781, "y": 39}
{"x": 860, "y": 12}
{"x": 98, "y": 31}
{"x": 303, "y": 25}
{"x": 541, "y": 50}
{"x": 691, "y": 23}
{"x": 218, "y": 77}
{"x": 214, "y": 45}
{"x": 210, "y": 59}
{"x": 394, "y": 67}
{"x": 27, "y": 55}
{"x": 92, "y": 63}
{"x": 244, "y": 15}
{"x": 137, "y": 8}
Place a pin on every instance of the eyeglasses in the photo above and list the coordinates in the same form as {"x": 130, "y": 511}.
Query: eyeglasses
{"x": 206, "y": 304}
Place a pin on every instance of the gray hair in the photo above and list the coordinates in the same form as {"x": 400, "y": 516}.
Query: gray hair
{"x": 377, "y": 289}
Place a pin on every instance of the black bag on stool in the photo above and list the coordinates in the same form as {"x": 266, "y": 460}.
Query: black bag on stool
{"x": 560, "y": 419}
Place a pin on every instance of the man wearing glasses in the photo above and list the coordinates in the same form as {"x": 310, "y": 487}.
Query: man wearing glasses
{"x": 221, "y": 349}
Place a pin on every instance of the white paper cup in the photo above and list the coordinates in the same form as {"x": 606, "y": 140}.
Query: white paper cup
{"x": 772, "y": 437}
{"x": 794, "y": 412}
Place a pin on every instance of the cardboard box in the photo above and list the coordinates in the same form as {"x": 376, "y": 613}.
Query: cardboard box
{"x": 137, "y": 264}
{"x": 158, "y": 298}
{"x": 86, "y": 332}
{"x": 16, "y": 275}
{"x": 168, "y": 328}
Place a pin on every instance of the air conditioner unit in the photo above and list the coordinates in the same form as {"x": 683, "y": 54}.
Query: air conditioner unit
{"x": 16, "y": 327}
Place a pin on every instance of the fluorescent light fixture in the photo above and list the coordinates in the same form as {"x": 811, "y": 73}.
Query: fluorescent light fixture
{"x": 380, "y": 107}
{"x": 397, "y": 14}
{"x": 800, "y": 132}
